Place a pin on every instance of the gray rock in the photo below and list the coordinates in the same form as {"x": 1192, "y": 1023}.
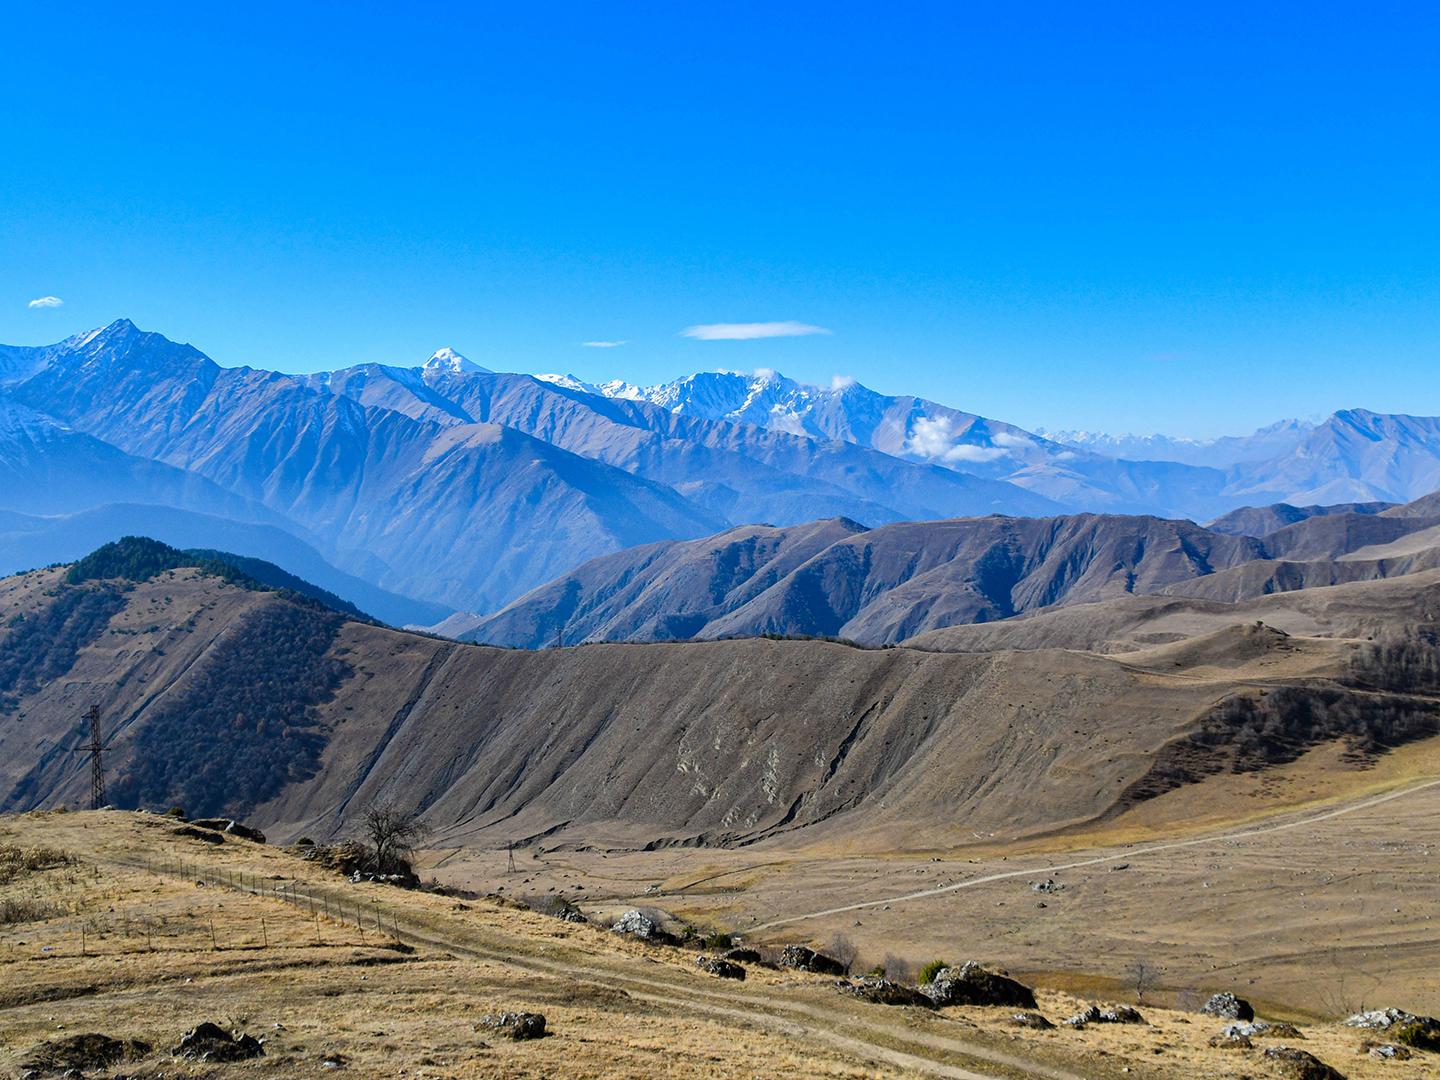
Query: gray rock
{"x": 1255, "y": 1028}
{"x": 1228, "y": 1007}
{"x": 211, "y": 1042}
{"x": 1390, "y": 1052}
{"x": 880, "y": 991}
{"x": 643, "y": 927}
{"x": 229, "y": 825}
{"x": 515, "y": 1025}
{"x": 971, "y": 984}
{"x": 1422, "y": 1032}
{"x": 1299, "y": 1065}
{"x": 742, "y": 956}
{"x": 722, "y": 969}
{"x": 802, "y": 959}
{"x": 1115, "y": 1014}
{"x": 1031, "y": 1020}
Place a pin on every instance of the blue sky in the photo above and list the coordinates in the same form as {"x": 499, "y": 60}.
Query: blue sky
{"x": 1189, "y": 218}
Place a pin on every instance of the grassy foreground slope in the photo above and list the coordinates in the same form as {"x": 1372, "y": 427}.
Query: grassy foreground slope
{"x": 122, "y": 928}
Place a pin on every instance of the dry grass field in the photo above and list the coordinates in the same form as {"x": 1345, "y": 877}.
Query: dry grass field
{"x": 118, "y": 926}
{"x": 1269, "y": 895}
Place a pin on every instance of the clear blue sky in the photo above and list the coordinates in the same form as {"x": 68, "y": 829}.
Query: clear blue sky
{"x": 1194, "y": 218}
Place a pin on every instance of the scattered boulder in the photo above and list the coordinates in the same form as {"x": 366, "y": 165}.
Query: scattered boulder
{"x": 802, "y": 959}
{"x": 742, "y": 956}
{"x": 1408, "y": 1029}
{"x": 1227, "y": 1041}
{"x": 1300, "y": 1065}
{"x": 971, "y": 984}
{"x": 722, "y": 969}
{"x": 1275, "y": 1030}
{"x": 515, "y": 1025}
{"x": 1115, "y": 1014}
{"x": 228, "y": 825}
{"x": 643, "y": 927}
{"x": 203, "y": 835}
{"x": 346, "y": 857}
{"x": 80, "y": 1053}
{"x": 1031, "y": 1020}
{"x": 1390, "y": 1052}
{"x": 1049, "y": 885}
{"x": 882, "y": 991}
{"x": 1228, "y": 1007}
{"x": 211, "y": 1042}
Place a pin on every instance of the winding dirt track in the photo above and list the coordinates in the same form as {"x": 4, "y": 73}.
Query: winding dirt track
{"x": 1126, "y": 855}
{"x": 854, "y": 1028}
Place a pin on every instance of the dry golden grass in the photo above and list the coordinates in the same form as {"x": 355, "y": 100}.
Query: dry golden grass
{"x": 137, "y": 953}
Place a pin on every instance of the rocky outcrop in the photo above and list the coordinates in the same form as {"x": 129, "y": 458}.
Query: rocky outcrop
{"x": 721, "y": 969}
{"x": 1256, "y": 1028}
{"x": 1299, "y": 1064}
{"x": 1033, "y": 1020}
{"x": 880, "y": 991}
{"x": 1421, "y": 1032}
{"x": 514, "y": 1025}
{"x": 971, "y": 984}
{"x": 211, "y": 1042}
{"x": 75, "y": 1054}
{"x": 643, "y": 927}
{"x": 800, "y": 958}
{"x": 229, "y": 825}
{"x": 742, "y": 956}
{"x": 1114, "y": 1014}
{"x": 1228, "y": 1007}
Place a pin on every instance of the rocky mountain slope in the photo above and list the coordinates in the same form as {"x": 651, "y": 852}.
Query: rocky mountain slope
{"x": 222, "y": 697}
{"x": 884, "y": 585}
{"x": 424, "y": 481}
{"x": 462, "y": 488}
{"x": 1264, "y": 520}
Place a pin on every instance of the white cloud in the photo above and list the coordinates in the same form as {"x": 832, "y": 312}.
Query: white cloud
{"x": 45, "y": 301}
{"x": 603, "y": 344}
{"x": 933, "y": 438}
{"x": 1004, "y": 438}
{"x": 749, "y": 331}
{"x": 969, "y": 452}
{"x": 764, "y": 373}
{"x": 842, "y": 382}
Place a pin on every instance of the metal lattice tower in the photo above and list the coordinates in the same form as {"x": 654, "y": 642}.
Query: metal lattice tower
{"x": 96, "y": 749}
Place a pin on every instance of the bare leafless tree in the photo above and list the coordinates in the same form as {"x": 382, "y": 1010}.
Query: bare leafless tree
{"x": 393, "y": 834}
{"x": 1144, "y": 975}
{"x": 843, "y": 949}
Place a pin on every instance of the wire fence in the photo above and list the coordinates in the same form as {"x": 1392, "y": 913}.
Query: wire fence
{"x": 301, "y": 895}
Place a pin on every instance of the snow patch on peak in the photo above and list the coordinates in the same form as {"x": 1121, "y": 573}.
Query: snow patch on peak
{"x": 450, "y": 362}
{"x": 568, "y": 382}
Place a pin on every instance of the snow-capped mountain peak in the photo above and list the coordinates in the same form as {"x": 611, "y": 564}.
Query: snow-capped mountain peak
{"x": 450, "y": 362}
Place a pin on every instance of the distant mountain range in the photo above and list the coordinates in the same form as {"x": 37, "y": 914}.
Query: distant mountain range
{"x": 448, "y": 487}
{"x": 887, "y": 585}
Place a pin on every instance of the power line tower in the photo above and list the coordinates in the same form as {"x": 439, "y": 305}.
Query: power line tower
{"x": 96, "y": 749}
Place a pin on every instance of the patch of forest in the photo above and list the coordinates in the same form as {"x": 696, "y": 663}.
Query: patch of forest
{"x": 42, "y": 645}
{"x": 244, "y": 722}
{"x": 139, "y": 558}
{"x": 1388, "y": 696}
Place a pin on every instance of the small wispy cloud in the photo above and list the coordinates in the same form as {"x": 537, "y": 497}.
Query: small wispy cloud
{"x": 45, "y": 302}
{"x": 842, "y": 382}
{"x": 603, "y": 344}
{"x": 750, "y": 331}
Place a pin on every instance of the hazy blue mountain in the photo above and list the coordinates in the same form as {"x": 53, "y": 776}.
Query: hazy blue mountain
{"x": 1262, "y": 445}
{"x": 1264, "y": 520}
{"x": 915, "y": 429}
